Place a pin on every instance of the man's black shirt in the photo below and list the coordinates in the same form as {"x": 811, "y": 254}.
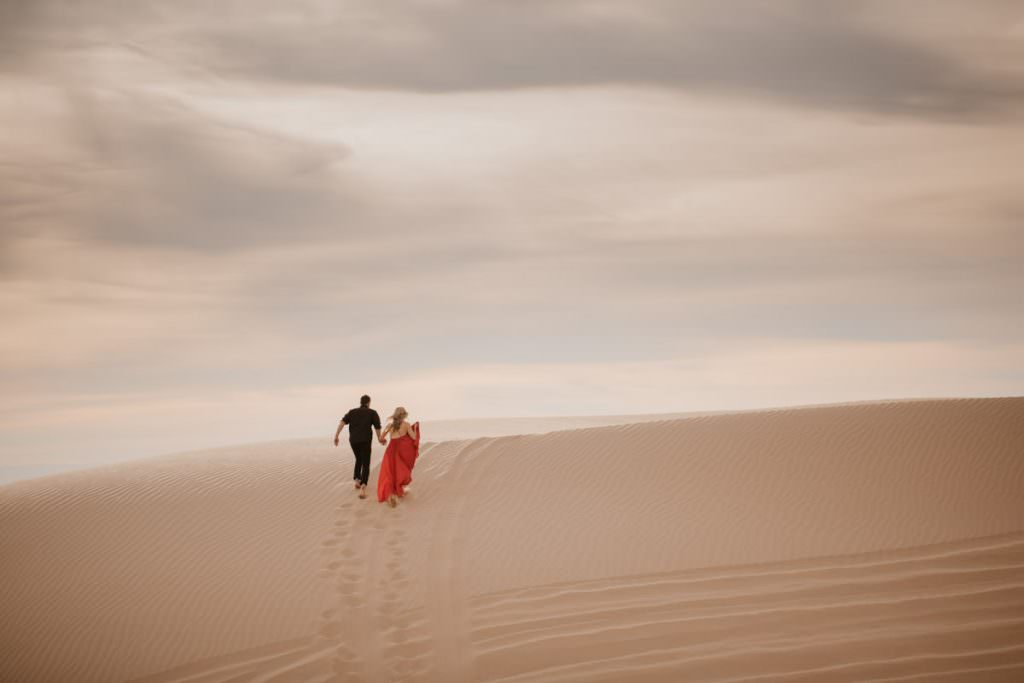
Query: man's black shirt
{"x": 359, "y": 421}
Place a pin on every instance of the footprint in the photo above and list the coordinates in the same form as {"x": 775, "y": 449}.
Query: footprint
{"x": 344, "y": 669}
{"x": 402, "y": 623}
{"x": 331, "y": 629}
{"x": 406, "y": 666}
{"x": 419, "y": 668}
{"x": 351, "y": 596}
{"x": 330, "y": 543}
{"x": 416, "y": 648}
{"x": 328, "y": 613}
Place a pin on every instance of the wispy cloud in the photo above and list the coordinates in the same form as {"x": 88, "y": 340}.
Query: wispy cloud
{"x": 864, "y": 55}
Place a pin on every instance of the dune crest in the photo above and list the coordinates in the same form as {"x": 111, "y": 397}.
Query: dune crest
{"x": 874, "y": 541}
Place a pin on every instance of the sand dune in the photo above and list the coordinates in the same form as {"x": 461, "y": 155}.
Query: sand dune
{"x": 866, "y": 542}
{"x": 440, "y": 430}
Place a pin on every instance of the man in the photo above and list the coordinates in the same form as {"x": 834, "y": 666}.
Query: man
{"x": 359, "y": 421}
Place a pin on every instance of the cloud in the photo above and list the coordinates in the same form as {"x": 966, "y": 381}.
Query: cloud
{"x": 240, "y": 252}
{"x": 144, "y": 169}
{"x": 804, "y": 52}
{"x": 866, "y": 56}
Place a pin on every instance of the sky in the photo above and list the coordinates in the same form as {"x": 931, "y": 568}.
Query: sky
{"x": 223, "y": 222}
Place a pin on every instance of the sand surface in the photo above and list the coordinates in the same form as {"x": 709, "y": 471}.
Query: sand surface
{"x": 866, "y": 542}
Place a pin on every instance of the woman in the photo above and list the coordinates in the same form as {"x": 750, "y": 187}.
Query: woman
{"x": 399, "y": 458}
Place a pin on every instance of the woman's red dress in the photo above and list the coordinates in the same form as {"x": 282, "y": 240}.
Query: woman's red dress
{"x": 396, "y": 468}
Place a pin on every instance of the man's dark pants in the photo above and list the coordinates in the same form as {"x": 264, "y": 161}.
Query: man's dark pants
{"x": 362, "y": 451}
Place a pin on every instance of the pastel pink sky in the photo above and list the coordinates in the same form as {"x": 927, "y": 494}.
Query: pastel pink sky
{"x": 222, "y": 226}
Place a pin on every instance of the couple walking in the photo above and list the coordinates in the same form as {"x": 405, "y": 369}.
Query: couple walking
{"x": 399, "y": 458}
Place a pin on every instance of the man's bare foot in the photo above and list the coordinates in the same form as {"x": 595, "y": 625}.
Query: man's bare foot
{"x": 358, "y": 485}
{"x": 392, "y": 500}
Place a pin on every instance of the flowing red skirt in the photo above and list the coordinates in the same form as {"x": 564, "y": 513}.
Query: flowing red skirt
{"x": 396, "y": 468}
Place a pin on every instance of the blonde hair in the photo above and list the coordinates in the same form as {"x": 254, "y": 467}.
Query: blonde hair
{"x": 397, "y": 417}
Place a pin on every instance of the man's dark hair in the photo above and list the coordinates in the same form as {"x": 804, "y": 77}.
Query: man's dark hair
{"x": 364, "y": 401}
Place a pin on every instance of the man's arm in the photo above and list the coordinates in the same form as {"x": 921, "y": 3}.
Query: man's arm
{"x": 376, "y": 426}
{"x": 341, "y": 425}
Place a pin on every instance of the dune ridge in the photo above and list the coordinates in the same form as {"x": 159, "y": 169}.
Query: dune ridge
{"x": 870, "y": 541}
